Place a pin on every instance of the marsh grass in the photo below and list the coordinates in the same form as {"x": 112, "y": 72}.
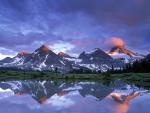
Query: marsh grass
{"x": 139, "y": 79}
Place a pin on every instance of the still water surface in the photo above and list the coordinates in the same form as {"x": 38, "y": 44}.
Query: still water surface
{"x": 47, "y": 96}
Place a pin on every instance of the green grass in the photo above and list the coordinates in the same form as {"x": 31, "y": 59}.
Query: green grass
{"x": 139, "y": 79}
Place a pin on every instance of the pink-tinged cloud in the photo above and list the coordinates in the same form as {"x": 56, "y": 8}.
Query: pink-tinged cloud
{"x": 115, "y": 42}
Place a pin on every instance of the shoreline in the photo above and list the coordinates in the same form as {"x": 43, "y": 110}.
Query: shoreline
{"x": 139, "y": 79}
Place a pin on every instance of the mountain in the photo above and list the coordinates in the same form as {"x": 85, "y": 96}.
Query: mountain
{"x": 23, "y": 54}
{"x": 98, "y": 60}
{"x": 64, "y": 55}
{"x": 147, "y": 57}
{"x": 96, "y": 56}
{"x": 139, "y": 66}
{"x": 41, "y": 59}
{"x": 45, "y": 59}
{"x": 72, "y": 60}
{"x": 44, "y": 90}
{"x": 6, "y": 60}
{"x": 17, "y": 60}
{"x": 120, "y": 52}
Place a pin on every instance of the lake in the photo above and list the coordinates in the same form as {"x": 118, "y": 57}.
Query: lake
{"x": 58, "y": 96}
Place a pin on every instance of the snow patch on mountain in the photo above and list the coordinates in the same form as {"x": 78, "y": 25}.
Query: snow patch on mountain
{"x": 62, "y": 62}
{"x": 75, "y": 60}
{"x": 126, "y": 58}
{"x": 96, "y": 67}
{"x": 43, "y": 63}
{"x": 45, "y": 59}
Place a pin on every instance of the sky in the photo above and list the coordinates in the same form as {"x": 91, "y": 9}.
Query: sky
{"x": 73, "y": 26}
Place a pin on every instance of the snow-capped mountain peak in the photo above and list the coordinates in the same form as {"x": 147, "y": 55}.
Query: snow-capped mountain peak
{"x": 23, "y": 53}
{"x": 43, "y": 49}
{"x": 45, "y": 59}
{"x": 62, "y": 54}
{"x": 120, "y": 52}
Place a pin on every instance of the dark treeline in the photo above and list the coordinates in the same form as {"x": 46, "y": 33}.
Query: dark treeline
{"x": 22, "y": 70}
{"x": 141, "y": 66}
{"x": 10, "y": 69}
{"x": 84, "y": 71}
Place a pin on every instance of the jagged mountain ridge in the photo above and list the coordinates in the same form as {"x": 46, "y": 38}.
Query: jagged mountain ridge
{"x": 45, "y": 59}
{"x": 147, "y": 57}
{"x": 128, "y": 56}
{"x": 95, "y": 56}
{"x": 43, "y": 90}
{"x": 44, "y": 55}
{"x": 123, "y": 50}
{"x": 62, "y": 54}
{"x": 41, "y": 59}
{"x": 6, "y": 60}
{"x": 99, "y": 60}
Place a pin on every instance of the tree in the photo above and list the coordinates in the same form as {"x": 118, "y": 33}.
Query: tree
{"x": 56, "y": 69}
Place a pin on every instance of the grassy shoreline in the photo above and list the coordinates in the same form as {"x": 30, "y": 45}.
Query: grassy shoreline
{"x": 139, "y": 79}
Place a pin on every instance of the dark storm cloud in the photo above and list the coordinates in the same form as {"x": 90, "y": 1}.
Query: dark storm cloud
{"x": 26, "y": 24}
{"x": 129, "y": 19}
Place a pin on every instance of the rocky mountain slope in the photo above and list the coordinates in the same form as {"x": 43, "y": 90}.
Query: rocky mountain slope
{"x": 125, "y": 54}
{"x": 45, "y": 59}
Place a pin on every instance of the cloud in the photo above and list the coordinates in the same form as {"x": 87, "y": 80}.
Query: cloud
{"x": 2, "y": 56}
{"x": 6, "y": 53}
{"x": 24, "y": 25}
{"x": 115, "y": 42}
{"x": 61, "y": 46}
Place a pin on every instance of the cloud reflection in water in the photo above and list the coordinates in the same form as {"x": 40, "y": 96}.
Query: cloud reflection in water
{"x": 66, "y": 97}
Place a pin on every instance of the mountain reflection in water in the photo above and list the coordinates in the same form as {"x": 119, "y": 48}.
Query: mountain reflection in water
{"x": 35, "y": 96}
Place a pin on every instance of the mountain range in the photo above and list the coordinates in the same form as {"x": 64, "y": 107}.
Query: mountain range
{"x": 45, "y": 59}
{"x": 44, "y": 90}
